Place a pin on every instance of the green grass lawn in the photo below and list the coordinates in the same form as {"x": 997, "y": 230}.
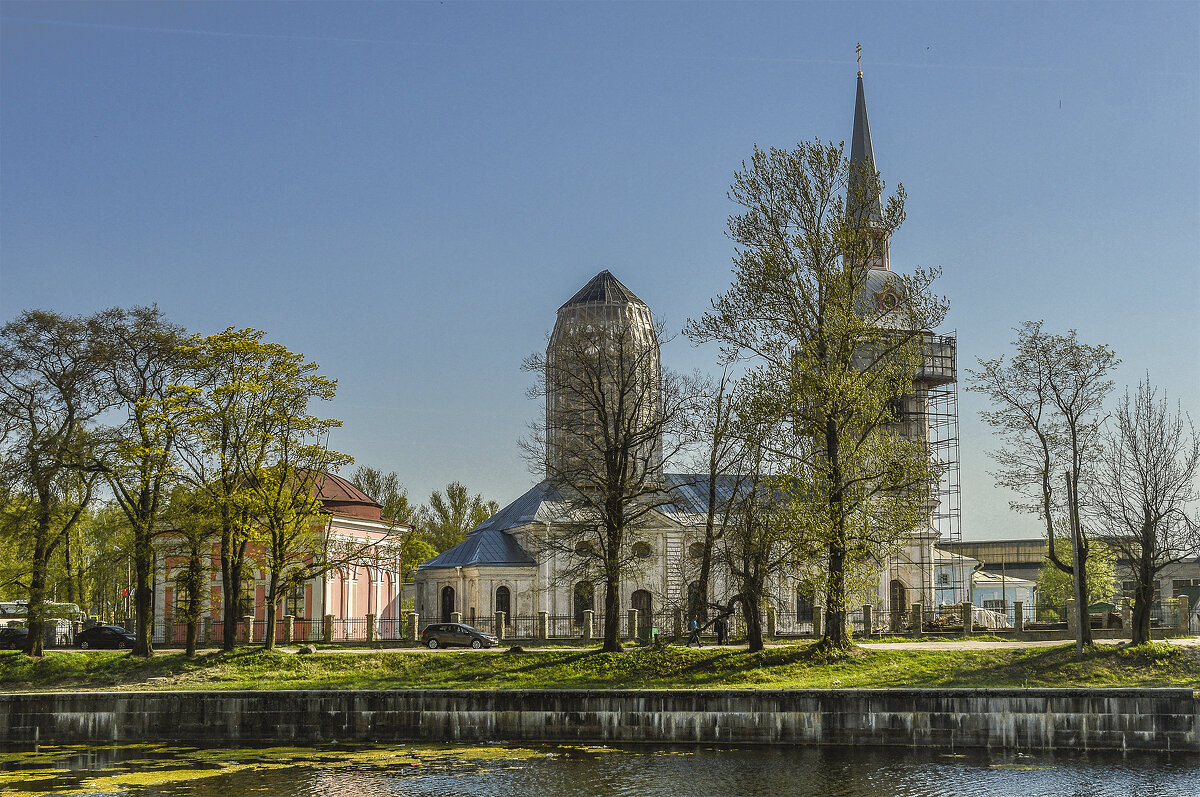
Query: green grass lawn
{"x": 775, "y": 668}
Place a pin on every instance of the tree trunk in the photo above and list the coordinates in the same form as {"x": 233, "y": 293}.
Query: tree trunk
{"x": 231, "y": 584}
{"x": 34, "y": 644}
{"x": 751, "y": 601}
{"x": 191, "y": 637}
{"x": 835, "y": 599}
{"x": 143, "y": 563}
{"x": 272, "y": 612}
{"x": 1143, "y": 596}
{"x": 1082, "y": 611}
{"x": 67, "y": 564}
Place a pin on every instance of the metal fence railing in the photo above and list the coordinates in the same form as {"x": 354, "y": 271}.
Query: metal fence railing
{"x": 948, "y": 619}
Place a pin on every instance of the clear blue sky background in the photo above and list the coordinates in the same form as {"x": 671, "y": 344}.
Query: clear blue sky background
{"x": 407, "y": 192}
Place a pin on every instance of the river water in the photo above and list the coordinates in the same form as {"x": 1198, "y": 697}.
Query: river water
{"x": 583, "y": 771}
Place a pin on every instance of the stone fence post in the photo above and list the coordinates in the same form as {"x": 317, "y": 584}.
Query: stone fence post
{"x": 867, "y": 626}
{"x": 372, "y": 633}
{"x": 633, "y": 621}
{"x": 1019, "y": 617}
{"x": 499, "y": 621}
{"x": 1070, "y": 615}
{"x": 1185, "y": 625}
{"x": 771, "y": 624}
{"x": 543, "y": 628}
{"x": 678, "y": 629}
{"x": 588, "y": 629}
{"x": 289, "y": 628}
{"x": 818, "y": 621}
{"x": 248, "y": 622}
{"x": 918, "y": 619}
{"x": 327, "y": 629}
{"x": 414, "y": 627}
{"x": 456, "y": 617}
{"x": 1126, "y": 618}
{"x": 968, "y": 618}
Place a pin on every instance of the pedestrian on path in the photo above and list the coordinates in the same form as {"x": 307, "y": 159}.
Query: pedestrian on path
{"x": 722, "y": 629}
{"x": 695, "y": 637}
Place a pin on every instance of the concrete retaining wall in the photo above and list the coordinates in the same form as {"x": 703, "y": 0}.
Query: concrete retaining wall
{"x": 1001, "y": 719}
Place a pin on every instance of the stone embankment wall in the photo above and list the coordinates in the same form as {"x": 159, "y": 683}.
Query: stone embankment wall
{"x": 1000, "y": 719}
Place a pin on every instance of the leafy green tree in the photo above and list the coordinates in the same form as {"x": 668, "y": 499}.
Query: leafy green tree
{"x": 228, "y": 440}
{"x": 1047, "y": 405}
{"x": 386, "y": 489}
{"x": 50, "y": 393}
{"x": 825, "y": 356}
{"x": 292, "y": 522}
{"x": 1056, "y": 587}
{"x": 192, "y": 528}
{"x": 447, "y": 518}
{"x": 145, "y": 362}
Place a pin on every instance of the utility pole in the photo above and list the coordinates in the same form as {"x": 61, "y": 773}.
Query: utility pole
{"x": 1081, "y": 613}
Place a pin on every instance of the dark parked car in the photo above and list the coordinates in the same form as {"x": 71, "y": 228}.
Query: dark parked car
{"x": 445, "y": 634}
{"x": 13, "y": 638}
{"x": 104, "y": 636}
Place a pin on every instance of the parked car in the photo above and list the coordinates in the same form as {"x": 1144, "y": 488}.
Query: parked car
{"x": 105, "y": 636}
{"x": 445, "y": 634}
{"x": 13, "y": 638}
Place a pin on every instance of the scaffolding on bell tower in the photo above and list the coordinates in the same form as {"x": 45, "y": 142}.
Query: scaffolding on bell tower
{"x": 943, "y": 446}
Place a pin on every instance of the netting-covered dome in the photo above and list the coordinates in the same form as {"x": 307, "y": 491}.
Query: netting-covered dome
{"x": 582, "y": 386}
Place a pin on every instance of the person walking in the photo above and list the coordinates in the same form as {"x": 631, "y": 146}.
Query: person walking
{"x": 695, "y": 637}
{"x": 722, "y": 630}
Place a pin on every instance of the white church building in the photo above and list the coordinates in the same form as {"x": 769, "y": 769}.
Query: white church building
{"x": 504, "y": 565}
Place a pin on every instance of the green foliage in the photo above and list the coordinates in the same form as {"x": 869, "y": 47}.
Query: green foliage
{"x": 1056, "y": 587}
{"x": 388, "y": 492}
{"x": 445, "y": 521}
{"x": 793, "y": 667}
{"x": 829, "y": 359}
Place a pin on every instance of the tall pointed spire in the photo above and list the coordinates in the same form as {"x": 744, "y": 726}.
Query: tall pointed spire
{"x": 861, "y": 195}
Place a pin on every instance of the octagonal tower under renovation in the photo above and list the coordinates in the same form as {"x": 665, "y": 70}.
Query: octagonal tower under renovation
{"x": 602, "y": 378}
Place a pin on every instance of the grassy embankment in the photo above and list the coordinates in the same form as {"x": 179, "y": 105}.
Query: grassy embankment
{"x": 777, "y": 668}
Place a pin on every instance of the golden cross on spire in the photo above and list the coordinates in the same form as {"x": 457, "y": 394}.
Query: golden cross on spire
{"x": 858, "y": 50}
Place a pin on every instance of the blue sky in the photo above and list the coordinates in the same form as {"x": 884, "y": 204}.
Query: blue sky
{"x": 406, "y": 192}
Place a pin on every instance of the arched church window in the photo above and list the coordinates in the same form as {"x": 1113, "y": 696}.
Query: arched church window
{"x": 504, "y": 603}
{"x": 447, "y": 603}
{"x": 584, "y": 599}
{"x": 643, "y": 604}
{"x": 804, "y": 604}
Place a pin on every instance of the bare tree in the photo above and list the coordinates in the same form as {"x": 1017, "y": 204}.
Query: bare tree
{"x": 612, "y": 418}
{"x": 1145, "y": 493}
{"x": 723, "y": 452}
{"x": 1047, "y": 402}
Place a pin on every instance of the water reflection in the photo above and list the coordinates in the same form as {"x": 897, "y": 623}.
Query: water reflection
{"x": 583, "y": 771}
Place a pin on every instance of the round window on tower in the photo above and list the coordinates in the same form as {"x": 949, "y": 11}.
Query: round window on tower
{"x": 642, "y": 550}
{"x": 696, "y": 550}
{"x": 887, "y": 299}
